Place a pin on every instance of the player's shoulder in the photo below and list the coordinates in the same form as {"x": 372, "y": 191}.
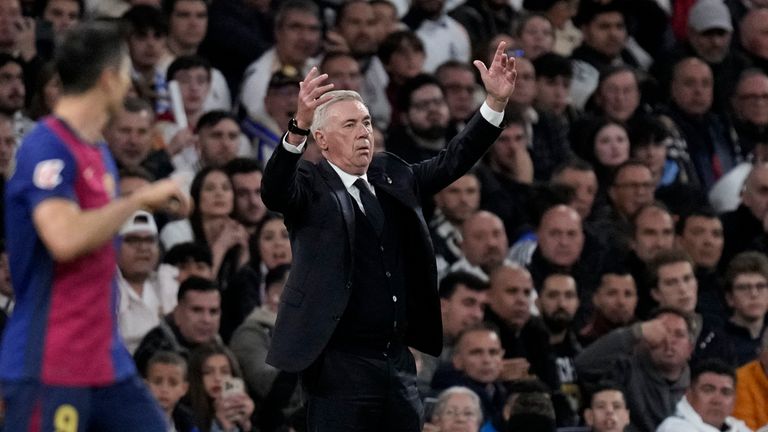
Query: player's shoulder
{"x": 41, "y": 141}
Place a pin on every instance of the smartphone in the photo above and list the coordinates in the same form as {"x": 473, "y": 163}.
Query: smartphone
{"x": 232, "y": 386}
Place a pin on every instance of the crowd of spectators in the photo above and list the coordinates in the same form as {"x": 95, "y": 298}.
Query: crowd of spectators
{"x": 603, "y": 268}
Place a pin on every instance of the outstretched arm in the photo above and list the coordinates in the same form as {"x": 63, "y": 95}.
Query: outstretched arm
{"x": 280, "y": 186}
{"x": 469, "y": 146}
{"x": 69, "y": 232}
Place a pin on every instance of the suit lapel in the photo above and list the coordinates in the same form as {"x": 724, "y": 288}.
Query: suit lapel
{"x": 344, "y": 199}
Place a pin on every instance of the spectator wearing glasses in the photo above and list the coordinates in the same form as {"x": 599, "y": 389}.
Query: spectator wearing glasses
{"x": 457, "y": 408}
{"x": 746, "y": 291}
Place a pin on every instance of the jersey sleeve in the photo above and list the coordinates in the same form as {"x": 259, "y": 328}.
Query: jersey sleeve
{"x": 45, "y": 168}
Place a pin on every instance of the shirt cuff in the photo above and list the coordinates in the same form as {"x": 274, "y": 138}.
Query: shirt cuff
{"x": 493, "y": 117}
{"x": 296, "y": 149}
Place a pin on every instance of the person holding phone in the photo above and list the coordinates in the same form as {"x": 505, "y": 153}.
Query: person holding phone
{"x": 216, "y": 391}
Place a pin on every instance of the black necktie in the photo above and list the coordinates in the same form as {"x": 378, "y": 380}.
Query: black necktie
{"x": 371, "y": 205}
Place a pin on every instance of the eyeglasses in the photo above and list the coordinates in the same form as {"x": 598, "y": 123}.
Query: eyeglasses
{"x": 467, "y": 413}
{"x": 745, "y": 287}
{"x": 636, "y": 185}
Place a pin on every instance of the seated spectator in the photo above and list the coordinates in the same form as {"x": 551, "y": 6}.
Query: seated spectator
{"x": 509, "y": 309}
{"x": 653, "y": 231}
{"x": 673, "y": 285}
{"x": 477, "y": 365}
{"x": 445, "y": 37}
{"x": 190, "y": 259}
{"x": 194, "y": 321}
{"x": 532, "y": 412}
{"x": 453, "y": 205}
{"x": 463, "y": 299}
{"x": 217, "y": 140}
{"x": 553, "y": 82}
{"x": 7, "y": 146}
{"x": 142, "y": 289}
{"x": 752, "y": 390}
{"x": 676, "y": 182}
{"x": 297, "y": 35}
{"x": 746, "y": 290}
{"x": 649, "y": 360}
{"x": 607, "y": 409}
{"x": 484, "y": 245}
{"x": 210, "y": 223}
{"x": 250, "y": 343}
{"x": 129, "y": 135}
{"x": 708, "y": 402}
{"x": 425, "y": 118}
{"x": 402, "y": 54}
{"x": 146, "y": 38}
{"x": 702, "y": 135}
{"x": 559, "y": 13}
{"x": 212, "y": 368}
{"x": 558, "y": 302}
{"x": 168, "y": 382}
{"x": 187, "y": 26}
{"x": 579, "y": 175}
{"x": 613, "y": 305}
{"x": 535, "y": 35}
{"x": 266, "y": 131}
{"x": 548, "y": 136}
{"x": 700, "y": 234}
{"x": 194, "y": 75}
{"x": 606, "y": 147}
{"x": 132, "y": 179}
{"x": 506, "y": 176}
{"x": 245, "y": 174}
{"x": 750, "y": 118}
{"x": 743, "y": 225}
{"x": 460, "y": 86}
{"x": 456, "y": 409}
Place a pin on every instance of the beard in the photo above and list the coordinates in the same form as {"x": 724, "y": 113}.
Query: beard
{"x": 558, "y": 322}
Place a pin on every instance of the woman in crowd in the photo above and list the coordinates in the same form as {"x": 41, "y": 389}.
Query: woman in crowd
{"x": 218, "y": 403}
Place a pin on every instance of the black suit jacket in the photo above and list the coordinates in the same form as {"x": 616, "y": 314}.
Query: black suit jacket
{"x": 320, "y": 217}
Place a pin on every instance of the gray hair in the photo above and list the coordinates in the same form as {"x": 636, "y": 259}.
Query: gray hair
{"x": 446, "y": 395}
{"x": 321, "y": 113}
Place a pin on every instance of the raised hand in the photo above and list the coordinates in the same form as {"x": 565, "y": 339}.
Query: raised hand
{"x": 312, "y": 94}
{"x": 499, "y": 79}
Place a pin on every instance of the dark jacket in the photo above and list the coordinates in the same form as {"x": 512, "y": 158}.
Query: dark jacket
{"x": 320, "y": 217}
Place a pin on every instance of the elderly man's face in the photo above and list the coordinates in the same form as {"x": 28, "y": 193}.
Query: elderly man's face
{"x": 460, "y": 414}
{"x": 561, "y": 238}
{"x": 750, "y": 100}
{"x": 346, "y": 139}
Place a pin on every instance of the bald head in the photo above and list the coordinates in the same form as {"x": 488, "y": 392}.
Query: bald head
{"x": 561, "y": 237}
{"x": 484, "y": 241}
{"x": 509, "y": 296}
{"x": 755, "y": 192}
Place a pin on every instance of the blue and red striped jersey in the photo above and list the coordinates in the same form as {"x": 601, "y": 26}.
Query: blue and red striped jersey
{"x": 63, "y": 330}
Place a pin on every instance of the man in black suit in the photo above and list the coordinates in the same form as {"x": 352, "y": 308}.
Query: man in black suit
{"x": 363, "y": 286}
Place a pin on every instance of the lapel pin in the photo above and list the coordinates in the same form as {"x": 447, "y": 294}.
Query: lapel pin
{"x": 389, "y": 180}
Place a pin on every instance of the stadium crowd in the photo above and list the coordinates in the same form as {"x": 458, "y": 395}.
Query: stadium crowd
{"x": 603, "y": 268}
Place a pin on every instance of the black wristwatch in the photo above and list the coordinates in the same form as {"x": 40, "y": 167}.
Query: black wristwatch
{"x": 293, "y": 127}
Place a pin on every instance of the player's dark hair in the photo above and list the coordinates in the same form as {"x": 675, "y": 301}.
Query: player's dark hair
{"x": 86, "y": 52}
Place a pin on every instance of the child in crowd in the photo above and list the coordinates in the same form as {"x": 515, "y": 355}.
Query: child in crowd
{"x": 167, "y": 381}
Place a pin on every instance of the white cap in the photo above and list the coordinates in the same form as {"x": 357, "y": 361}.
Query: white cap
{"x": 139, "y": 222}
